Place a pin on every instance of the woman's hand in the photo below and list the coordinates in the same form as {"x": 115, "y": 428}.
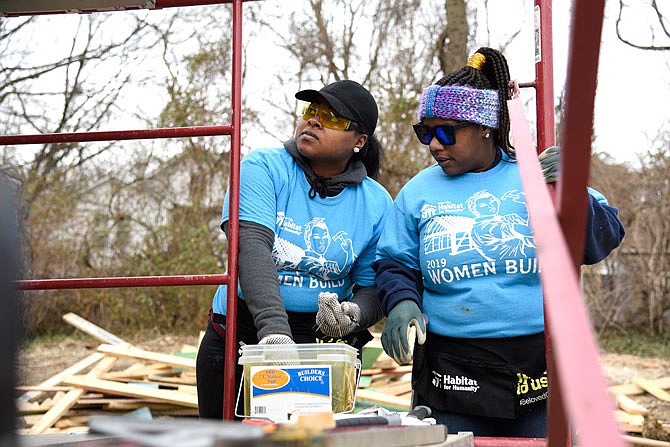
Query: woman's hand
{"x": 395, "y": 337}
{"x": 549, "y": 161}
{"x": 336, "y": 319}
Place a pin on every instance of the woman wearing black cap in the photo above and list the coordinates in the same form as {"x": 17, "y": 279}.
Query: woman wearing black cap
{"x": 310, "y": 218}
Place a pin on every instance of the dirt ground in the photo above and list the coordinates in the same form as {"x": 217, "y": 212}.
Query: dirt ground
{"x": 620, "y": 369}
{"x": 39, "y": 362}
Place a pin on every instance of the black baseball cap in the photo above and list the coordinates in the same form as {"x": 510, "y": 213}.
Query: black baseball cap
{"x": 350, "y": 100}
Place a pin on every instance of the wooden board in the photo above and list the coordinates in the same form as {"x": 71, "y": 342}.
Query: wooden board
{"x": 139, "y": 371}
{"x": 631, "y": 423}
{"x": 128, "y": 405}
{"x": 122, "y": 389}
{"x": 89, "y": 328}
{"x": 398, "y": 370}
{"x": 56, "y": 379}
{"x": 141, "y": 354}
{"x": 635, "y": 440}
{"x": 24, "y": 407}
{"x": 394, "y": 388}
{"x": 70, "y": 398}
{"x": 376, "y": 398}
{"x": 629, "y": 405}
{"x": 93, "y": 330}
{"x": 632, "y": 389}
{"x": 181, "y": 380}
{"x": 652, "y": 388}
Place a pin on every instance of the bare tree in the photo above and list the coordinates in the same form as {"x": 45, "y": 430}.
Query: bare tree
{"x": 90, "y": 208}
{"x": 390, "y": 47}
{"x": 657, "y": 37}
{"x": 630, "y": 290}
{"x": 452, "y": 42}
{"x": 606, "y": 284}
{"x": 649, "y": 234}
{"x": 42, "y": 92}
{"x": 159, "y": 212}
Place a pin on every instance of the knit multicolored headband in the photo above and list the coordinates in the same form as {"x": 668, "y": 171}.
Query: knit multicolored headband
{"x": 462, "y": 103}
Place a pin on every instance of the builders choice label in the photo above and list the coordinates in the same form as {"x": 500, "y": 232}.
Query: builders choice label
{"x": 277, "y": 392}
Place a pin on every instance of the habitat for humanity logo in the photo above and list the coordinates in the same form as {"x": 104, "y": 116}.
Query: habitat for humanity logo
{"x": 454, "y": 383}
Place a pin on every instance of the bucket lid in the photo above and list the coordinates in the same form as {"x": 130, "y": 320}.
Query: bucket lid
{"x": 304, "y": 351}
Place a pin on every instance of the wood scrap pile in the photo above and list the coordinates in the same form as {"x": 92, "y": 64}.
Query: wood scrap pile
{"x": 156, "y": 383}
{"x": 384, "y": 383}
{"x": 643, "y": 410}
{"x": 120, "y": 378}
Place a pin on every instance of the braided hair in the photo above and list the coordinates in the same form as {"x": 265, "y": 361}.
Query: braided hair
{"x": 492, "y": 74}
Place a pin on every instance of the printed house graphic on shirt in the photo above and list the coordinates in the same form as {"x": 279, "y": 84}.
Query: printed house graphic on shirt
{"x": 450, "y": 233}
{"x": 494, "y": 235}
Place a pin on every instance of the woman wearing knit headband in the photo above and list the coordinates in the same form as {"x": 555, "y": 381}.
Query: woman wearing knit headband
{"x": 456, "y": 261}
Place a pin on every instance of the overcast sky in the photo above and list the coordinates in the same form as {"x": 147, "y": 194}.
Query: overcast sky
{"x": 633, "y": 94}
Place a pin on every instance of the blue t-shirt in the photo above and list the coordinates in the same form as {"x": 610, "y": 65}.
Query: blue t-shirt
{"x": 321, "y": 244}
{"x": 470, "y": 237}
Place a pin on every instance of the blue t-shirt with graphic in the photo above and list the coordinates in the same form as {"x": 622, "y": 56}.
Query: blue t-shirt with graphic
{"x": 470, "y": 238}
{"x": 321, "y": 244}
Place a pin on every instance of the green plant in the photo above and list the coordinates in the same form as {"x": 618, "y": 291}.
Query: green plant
{"x": 635, "y": 343}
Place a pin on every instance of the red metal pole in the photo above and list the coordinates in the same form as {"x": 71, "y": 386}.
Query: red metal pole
{"x": 577, "y": 128}
{"x": 32, "y": 10}
{"x": 142, "y": 134}
{"x": 544, "y": 75}
{"x": 235, "y": 131}
{"x": 558, "y": 425}
{"x": 584, "y": 50}
{"x": 230, "y": 359}
{"x": 122, "y": 281}
{"x": 179, "y": 3}
{"x": 584, "y": 389}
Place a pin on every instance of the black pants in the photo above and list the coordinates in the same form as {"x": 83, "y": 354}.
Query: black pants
{"x": 210, "y": 361}
{"x": 531, "y": 424}
{"x": 209, "y": 375}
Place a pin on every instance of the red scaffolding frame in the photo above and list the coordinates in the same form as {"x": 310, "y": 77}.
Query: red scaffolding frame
{"x": 577, "y": 395}
{"x": 233, "y": 130}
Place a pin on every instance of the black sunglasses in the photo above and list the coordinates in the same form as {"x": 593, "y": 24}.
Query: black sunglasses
{"x": 445, "y": 134}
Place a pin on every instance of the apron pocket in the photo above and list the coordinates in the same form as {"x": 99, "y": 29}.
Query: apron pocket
{"x": 460, "y": 385}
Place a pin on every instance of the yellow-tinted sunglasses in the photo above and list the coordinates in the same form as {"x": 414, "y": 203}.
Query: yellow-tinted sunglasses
{"x": 327, "y": 117}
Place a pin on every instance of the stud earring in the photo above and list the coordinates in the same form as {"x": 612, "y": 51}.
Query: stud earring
{"x": 487, "y": 136}
{"x": 356, "y": 149}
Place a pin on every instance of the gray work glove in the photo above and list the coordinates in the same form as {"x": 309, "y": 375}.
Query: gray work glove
{"x": 276, "y": 339}
{"x": 284, "y": 354}
{"x": 549, "y": 162}
{"x": 337, "y": 319}
{"x": 395, "y": 336}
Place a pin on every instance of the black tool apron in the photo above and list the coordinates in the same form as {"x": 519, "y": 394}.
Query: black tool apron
{"x": 491, "y": 377}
